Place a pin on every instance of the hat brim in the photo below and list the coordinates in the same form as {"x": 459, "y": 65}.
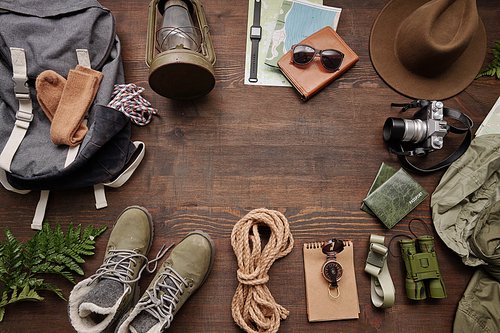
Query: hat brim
{"x": 385, "y": 61}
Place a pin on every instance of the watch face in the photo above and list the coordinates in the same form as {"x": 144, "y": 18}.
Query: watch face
{"x": 332, "y": 270}
{"x": 255, "y": 32}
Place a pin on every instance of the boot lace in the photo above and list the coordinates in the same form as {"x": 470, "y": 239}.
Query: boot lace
{"x": 117, "y": 266}
{"x": 161, "y": 300}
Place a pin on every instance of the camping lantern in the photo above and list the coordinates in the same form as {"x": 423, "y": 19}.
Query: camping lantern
{"x": 183, "y": 67}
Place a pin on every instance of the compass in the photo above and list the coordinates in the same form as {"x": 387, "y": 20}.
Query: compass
{"x": 332, "y": 270}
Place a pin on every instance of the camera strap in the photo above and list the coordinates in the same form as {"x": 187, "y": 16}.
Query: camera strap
{"x": 398, "y": 149}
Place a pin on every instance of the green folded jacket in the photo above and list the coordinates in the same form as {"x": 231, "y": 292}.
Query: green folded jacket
{"x": 395, "y": 198}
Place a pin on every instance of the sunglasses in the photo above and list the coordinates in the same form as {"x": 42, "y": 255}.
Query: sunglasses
{"x": 303, "y": 54}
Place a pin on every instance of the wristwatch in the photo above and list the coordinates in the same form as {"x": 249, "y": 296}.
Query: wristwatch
{"x": 332, "y": 270}
{"x": 255, "y": 36}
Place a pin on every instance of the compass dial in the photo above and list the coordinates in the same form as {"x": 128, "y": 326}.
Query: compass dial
{"x": 332, "y": 270}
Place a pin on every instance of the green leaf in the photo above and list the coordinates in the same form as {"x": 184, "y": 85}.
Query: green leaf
{"x": 28, "y": 294}
{"x": 49, "y": 251}
{"x": 54, "y": 289}
{"x": 5, "y": 300}
{"x": 493, "y": 69}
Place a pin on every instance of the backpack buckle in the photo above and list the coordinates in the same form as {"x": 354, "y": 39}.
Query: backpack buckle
{"x": 21, "y": 85}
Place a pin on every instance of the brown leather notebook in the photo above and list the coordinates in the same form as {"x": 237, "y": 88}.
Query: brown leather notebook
{"x": 313, "y": 77}
{"x": 320, "y": 305}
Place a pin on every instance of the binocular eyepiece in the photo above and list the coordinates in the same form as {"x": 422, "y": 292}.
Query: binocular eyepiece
{"x": 422, "y": 269}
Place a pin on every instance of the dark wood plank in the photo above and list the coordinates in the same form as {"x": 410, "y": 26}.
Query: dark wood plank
{"x": 210, "y": 161}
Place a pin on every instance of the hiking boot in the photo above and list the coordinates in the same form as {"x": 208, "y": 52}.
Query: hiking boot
{"x": 184, "y": 271}
{"x": 96, "y": 302}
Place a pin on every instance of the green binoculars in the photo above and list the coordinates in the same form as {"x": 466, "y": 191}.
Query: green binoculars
{"x": 422, "y": 270}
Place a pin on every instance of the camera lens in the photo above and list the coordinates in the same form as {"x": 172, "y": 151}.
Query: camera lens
{"x": 405, "y": 130}
{"x": 394, "y": 129}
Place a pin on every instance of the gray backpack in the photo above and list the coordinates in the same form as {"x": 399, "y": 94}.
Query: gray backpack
{"x": 57, "y": 35}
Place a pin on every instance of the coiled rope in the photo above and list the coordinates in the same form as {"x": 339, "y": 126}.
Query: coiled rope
{"x": 127, "y": 99}
{"x": 253, "y": 307}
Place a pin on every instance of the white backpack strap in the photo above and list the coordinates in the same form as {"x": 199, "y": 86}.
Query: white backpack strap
{"x": 73, "y": 151}
{"x": 99, "y": 191}
{"x": 7, "y": 186}
{"x": 100, "y": 196}
{"x": 125, "y": 175}
{"x": 83, "y": 57}
{"x": 25, "y": 113}
{"x": 83, "y": 60}
{"x": 40, "y": 210}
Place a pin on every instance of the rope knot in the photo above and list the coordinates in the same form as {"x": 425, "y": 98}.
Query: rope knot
{"x": 250, "y": 279}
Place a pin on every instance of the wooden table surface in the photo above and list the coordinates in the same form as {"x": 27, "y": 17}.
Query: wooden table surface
{"x": 210, "y": 161}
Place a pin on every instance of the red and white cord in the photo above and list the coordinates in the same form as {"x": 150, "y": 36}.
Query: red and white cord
{"x": 127, "y": 99}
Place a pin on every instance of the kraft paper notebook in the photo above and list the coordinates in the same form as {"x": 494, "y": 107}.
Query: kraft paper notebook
{"x": 320, "y": 306}
{"x": 313, "y": 77}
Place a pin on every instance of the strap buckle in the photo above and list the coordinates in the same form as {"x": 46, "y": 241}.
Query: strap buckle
{"x": 24, "y": 116}
{"x": 382, "y": 288}
{"x": 377, "y": 255}
{"x": 21, "y": 86}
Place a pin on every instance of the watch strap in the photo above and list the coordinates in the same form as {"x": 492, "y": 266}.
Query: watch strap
{"x": 255, "y": 43}
{"x": 253, "y": 61}
{"x": 256, "y": 13}
{"x": 382, "y": 288}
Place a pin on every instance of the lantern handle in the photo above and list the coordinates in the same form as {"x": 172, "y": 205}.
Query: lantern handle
{"x": 150, "y": 42}
{"x": 205, "y": 30}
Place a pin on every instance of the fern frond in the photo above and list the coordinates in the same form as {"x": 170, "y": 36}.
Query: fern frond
{"x": 5, "y": 300}
{"x": 27, "y": 294}
{"x": 11, "y": 259}
{"x": 493, "y": 69}
{"x": 54, "y": 289}
{"x": 47, "y": 252}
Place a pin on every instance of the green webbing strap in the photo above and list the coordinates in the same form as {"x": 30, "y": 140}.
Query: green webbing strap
{"x": 382, "y": 289}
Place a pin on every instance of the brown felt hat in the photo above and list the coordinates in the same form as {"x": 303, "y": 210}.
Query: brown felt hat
{"x": 428, "y": 49}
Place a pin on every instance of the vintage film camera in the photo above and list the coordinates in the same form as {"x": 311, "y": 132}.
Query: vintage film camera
{"x": 428, "y": 132}
{"x": 425, "y": 133}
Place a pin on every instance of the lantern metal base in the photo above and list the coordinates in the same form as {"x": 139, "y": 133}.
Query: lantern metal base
{"x": 181, "y": 74}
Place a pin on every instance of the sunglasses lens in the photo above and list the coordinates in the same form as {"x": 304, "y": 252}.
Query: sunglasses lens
{"x": 331, "y": 59}
{"x": 303, "y": 54}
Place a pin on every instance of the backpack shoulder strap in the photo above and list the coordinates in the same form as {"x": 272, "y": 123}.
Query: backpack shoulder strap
{"x": 83, "y": 60}
{"x": 24, "y": 115}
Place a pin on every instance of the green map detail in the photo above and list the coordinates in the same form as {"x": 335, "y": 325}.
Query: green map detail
{"x": 271, "y": 10}
{"x": 296, "y": 22}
